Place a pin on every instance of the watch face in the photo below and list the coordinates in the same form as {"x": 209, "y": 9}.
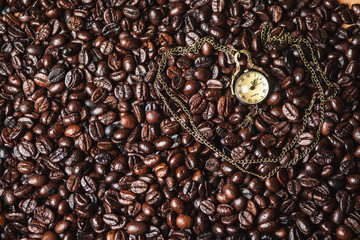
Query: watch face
{"x": 251, "y": 87}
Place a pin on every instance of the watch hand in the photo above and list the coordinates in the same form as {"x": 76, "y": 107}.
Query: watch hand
{"x": 257, "y": 84}
{"x": 253, "y": 84}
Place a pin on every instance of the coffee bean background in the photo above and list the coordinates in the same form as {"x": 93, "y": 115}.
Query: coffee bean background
{"x": 88, "y": 151}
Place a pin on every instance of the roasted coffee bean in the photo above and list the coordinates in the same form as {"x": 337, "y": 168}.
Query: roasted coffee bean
{"x": 324, "y": 157}
{"x": 111, "y": 219}
{"x": 44, "y": 214}
{"x": 59, "y": 155}
{"x": 308, "y": 208}
{"x": 138, "y": 187}
{"x": 129, "y": 42}
{"x": 281, "y": 129}
{"x": 26, "y": 149}
{"x": 37, "y": 180}
{"x": 22, "y": 191}
{"x": 35, "y": 49}
{"x": 73, "y": 183}
{"x": 57, "y": 74}
{"x": 246, "y": 219}
{"x": 356, "y": 134}
{"x": 224, "y": 106}
{"x": 96, "y": 130}
{"x": 306, "y": 139}
{"x": 136, "y": 228}
{"x": 207, "y": 207}
{"x": 72, "y": 131}
{"x": 344, "y": 232}
{"x": 28, "y": 205}
{"x": 268, "y": 140}
{"x": 26, "y": 167}
{"x": 73, "y": 78}
{"x": 290, "y": 111}
{"x": 197, "y": 104}
{"x": 88, "y": 184}
{"x": 17, "y": 132}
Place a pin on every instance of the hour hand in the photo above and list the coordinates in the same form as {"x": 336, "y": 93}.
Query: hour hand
{"x": 253, "y": 84}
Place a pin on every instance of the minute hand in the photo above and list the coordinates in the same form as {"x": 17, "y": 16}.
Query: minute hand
{"x": 253, "y": 86}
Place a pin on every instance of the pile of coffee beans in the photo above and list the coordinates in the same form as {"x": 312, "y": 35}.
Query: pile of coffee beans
{"x": 89, "y": 151}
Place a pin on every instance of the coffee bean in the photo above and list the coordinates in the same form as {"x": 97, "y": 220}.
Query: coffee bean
{"x": 73, "y": 183}
{"x": 207, "y": 207}
{"x": 26, "y": 167}
{"x": 246, "y": 219}
{"x": 17, "y": 132}
{"x": 356, "y": 135}
{"x": 136, "y": 228}
{"x": 35, "y": 49}
{"x": 28, "y": 205}
{"x": 324, "y": 157}
{"x": 37, "y": 180}
{"x": 197, "y": 104}
{"x": 44, "y": 214}
{"x": 184, "y": 221}
{"x": 138, "y": 187}
{"x": 111, "y": 219}
{"x": 350, "y": 94}
{"x": 224, "y": 106}
{"x": 346, "y": 203}
{"x": 88, "y": 184}
{"x": 73, "y": 131}
{"x": 59, "y": 155}
{"x": 26, "y": 149}
{"x": 129, "y": 42}
{"x": 41, "y": 80}
{"x": 49, "y": 235}
{"x": 22, "y": 191}
{"x": 131, "y": 12}
{"x": 308, "y": 208}
{"x": 42, "y": 104}
{"x": 306, "y": 139}
{"x": 217, "y": 5}
{"x": 281, "y": 129}
{"x": 268, "y": 140}
{"x": 96, "y": 130}
{"x": 344, "y": 232}
{"x": 57, "y": 74}
{"x": 290, "y": 111}
{"x": 353, "y": 223}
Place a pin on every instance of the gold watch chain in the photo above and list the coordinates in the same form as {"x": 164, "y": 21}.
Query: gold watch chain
{"x": 266, "y": 38}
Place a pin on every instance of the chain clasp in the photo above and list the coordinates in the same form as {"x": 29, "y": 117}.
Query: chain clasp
{"x": 235, "y": 72}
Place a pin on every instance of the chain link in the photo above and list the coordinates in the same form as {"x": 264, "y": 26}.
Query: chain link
{"x": 266, "y": 38}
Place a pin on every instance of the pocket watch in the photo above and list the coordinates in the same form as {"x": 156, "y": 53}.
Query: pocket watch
{"x": 252, "y": 86}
